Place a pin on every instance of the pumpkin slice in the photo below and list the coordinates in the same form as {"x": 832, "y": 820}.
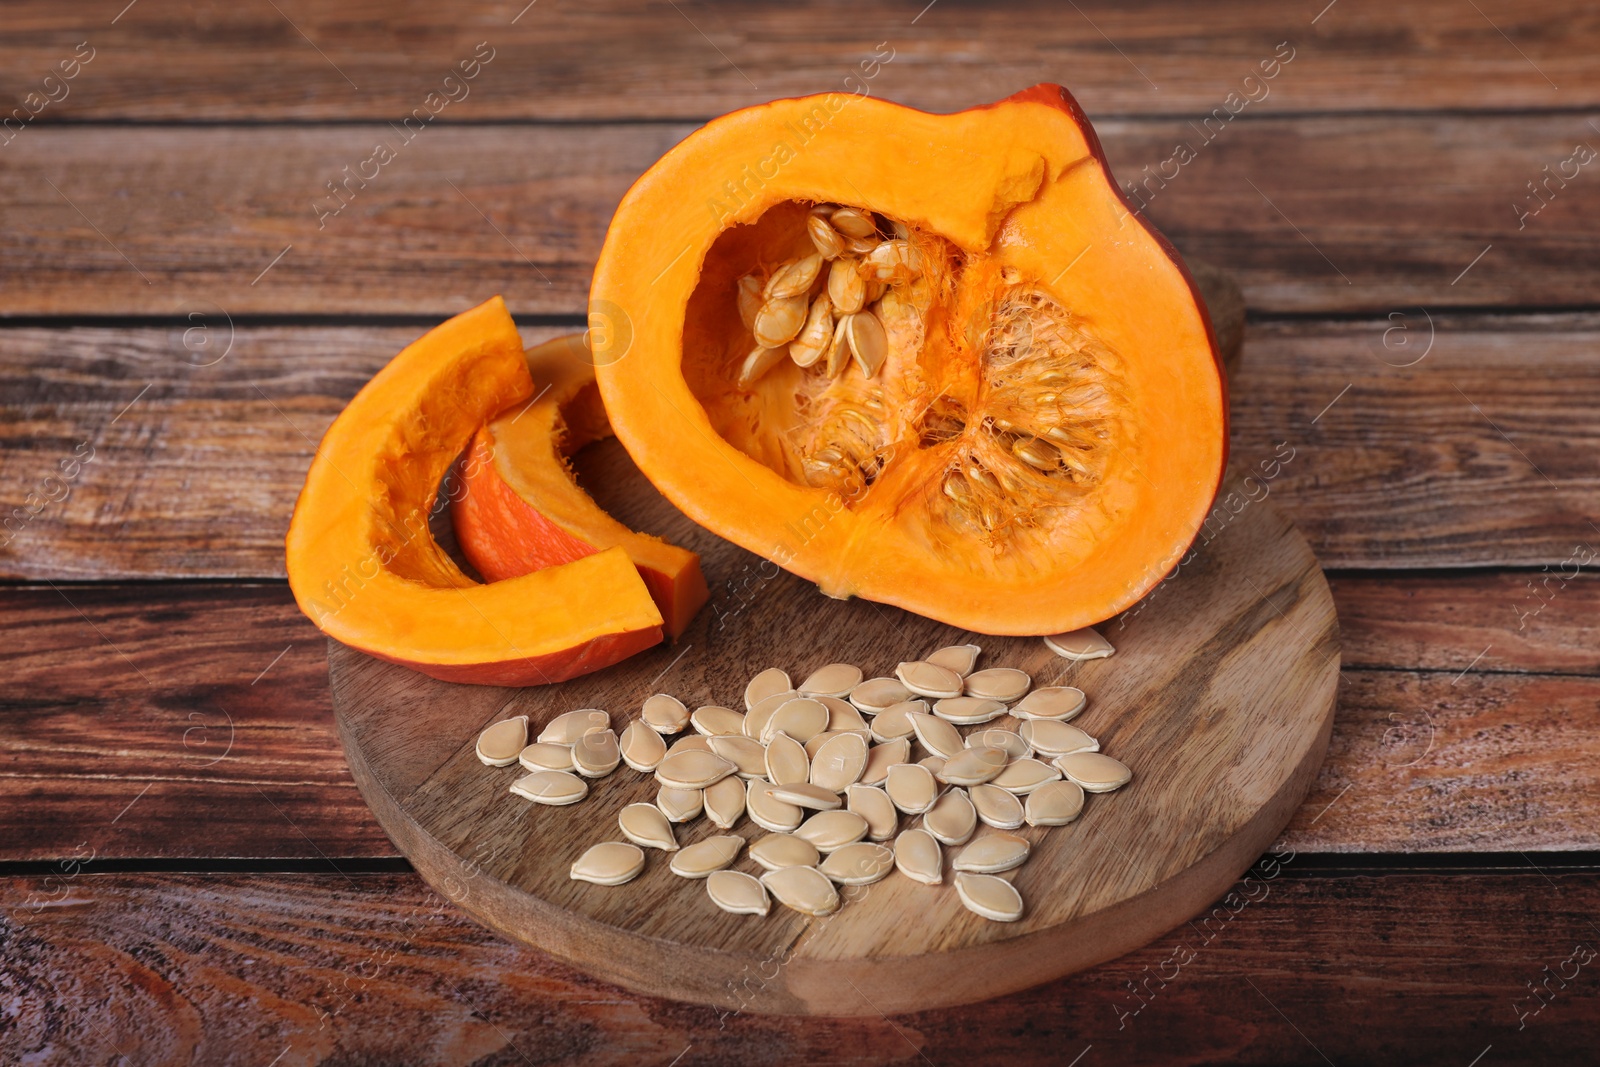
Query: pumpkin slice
{"x": 365, "y": 568}
{"x": 931, "y": 360}
{"x": 519, "y": 509}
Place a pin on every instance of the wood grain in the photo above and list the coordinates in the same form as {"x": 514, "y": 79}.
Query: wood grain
{"x": 1220, "y": 697}
{"x": 629, "y": 60}
{"x": 379, "y": 969}
{"x": 1365, "y": 213}
{"x": 197, "y": 477}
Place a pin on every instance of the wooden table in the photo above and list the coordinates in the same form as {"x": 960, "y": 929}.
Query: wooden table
{"x": 188, "y": 873}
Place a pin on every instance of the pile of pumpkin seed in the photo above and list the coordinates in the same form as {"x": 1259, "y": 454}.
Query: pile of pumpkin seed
{"x": 829, "y": 769}
{"x": 819, "y": 309}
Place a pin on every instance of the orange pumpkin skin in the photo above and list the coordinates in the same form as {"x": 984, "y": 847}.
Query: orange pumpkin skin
{"x": 1011, "y": 209}
{"x": 520, "y": 510}
{"x": 364, "y": 567}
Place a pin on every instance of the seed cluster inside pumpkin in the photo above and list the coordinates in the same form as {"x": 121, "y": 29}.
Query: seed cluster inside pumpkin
{"x": 862, "y": 354}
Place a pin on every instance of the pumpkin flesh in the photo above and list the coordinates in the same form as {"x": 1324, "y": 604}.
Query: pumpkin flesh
{"x": 365, "y": 568}
{"x": 1047, "y": 428}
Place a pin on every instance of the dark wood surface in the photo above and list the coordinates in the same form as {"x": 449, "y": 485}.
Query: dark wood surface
{"x": 1447, "y": 855}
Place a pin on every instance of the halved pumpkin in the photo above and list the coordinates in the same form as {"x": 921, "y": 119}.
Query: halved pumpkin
{"x": 364, "y": 566}
{"x": 930, "y": 360}
{"x": 520, "y": 510}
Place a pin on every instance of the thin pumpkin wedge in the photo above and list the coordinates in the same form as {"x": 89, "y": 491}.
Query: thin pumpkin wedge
{"x": 364, "y": 566}
{"x": 930, "y": 360}
{"x": 519, "y": 509}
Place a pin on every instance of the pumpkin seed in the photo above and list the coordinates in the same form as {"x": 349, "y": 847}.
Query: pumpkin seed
{"x": 842, "y": 715}
{"x": 968, "y": 711}
{"x": 839, "y": 763}
{"x": 1095, "y": 771}
{"x": 993, "y": 853}
{"x": 748, "y": 757}
{"x": 958, "y": 658}
{"x": 749, "y": 298}
{"x": 824, "y": 237}
{"x": 929, "y": 680}
{"x": 1036, "y": 453}
{"x": 692, "y": 769}
{"x": 893, "y": 260}
{"x": 768, "y": 812}
{"x": 873, "y": 805}
{"x": 794, "y": 278}
{"x": 1052, "y": 738}
{"x": 713, "y": 720}
{"x": 881, "y": 757}
{"x": 1008, "y": 741}
{"x": 596, "y": 754}
{"x": 869, "y": 344}
{"x": 853, "y": 222}
{"x": 786, "y": 761}
{"x": 839, "y": 347}
{"x": 876, "y": 694}
{"x": 847, "y": 289}
{"x": 784, "y": 850}
{"x": 1079, "y": 644}
{"x": 761, "y": 713}
{"x": 701, "y": 858}
{"x": 814, "y": 745}
{"x": 861, "y": 863}
{"x": 918, "y": 857}
{"x": 501, "y": 743}
{"x": 801, "y": 718}
{"x": 566, "y": 729}
{"x": 1059, "y": 702}
{"x": 936, "y": 735}
{"x": 756, "y": 365}
{"x": 829, "y": 830}
{"x": 643, "y": 824}
{"x": 973, "y": 766}
{"x": 1054, "y": 804}
{"x": 894, "y": 723}
{"x": 679, "y": 805}
{"x": 952, "y": 819}
{"x": 665, "y": 714}
{"x": 690, "y": 743}
{"x": 768, "y": 683}
{"x": 608, "y": 863}
{"x": 543, "y": 756}
{"x": 805, "y": 889}
{"x": 724, "y": 802}
{"x": 989, "y": 896}
{"x": 935, "y": 764}
{"x": 834, "y": 680}
{"x": 779, "y": 320}
{"x": 1023, "y": 776}
{"x": 815, "y": 336}
{"x": 642, "y": 747}
{"x": 737, "y": 892}
{"x": 556, "y": 788}
{"x": 1004, "y": 684}
{"x": 911, "y": 787}
{"x": 804, "y": 795}
{"x": 996, "y": 807}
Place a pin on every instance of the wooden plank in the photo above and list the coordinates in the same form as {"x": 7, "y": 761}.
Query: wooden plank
{"x": 376, "y": 968}
{"x": 1370, "y": 213}
{"x": 195, "y": 469}
{"x": 299, "y": 60}
{"x": 1420, "y": 761}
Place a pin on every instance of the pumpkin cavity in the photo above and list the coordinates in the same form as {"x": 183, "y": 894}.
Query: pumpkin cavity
{"x": 861, "y": 354}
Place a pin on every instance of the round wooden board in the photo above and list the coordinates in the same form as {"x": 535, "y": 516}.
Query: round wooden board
{"x": 1220, "y": 697}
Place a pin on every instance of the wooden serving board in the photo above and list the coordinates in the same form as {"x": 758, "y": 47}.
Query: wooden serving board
{"x": 1220, "y": 697}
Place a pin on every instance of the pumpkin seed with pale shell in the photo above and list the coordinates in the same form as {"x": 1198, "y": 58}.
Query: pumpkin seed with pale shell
{"x": 973, "y": 766}
{"x": 912, "y": 788}
{"x": 701, "y": 858}
{"x": 596, "y": 754}
{"x": 1059, "y": 702}
{"x": 894, "y": 723}
{"x": 737, "y": 892}
{"x": 874, "y": 805}
{"x": 958, "y": 658}
{"x": 936, "y": 735}
{"x": 1008, "y": 741}
{"x": 692, "y": 769}
{"x": 860, "y": 863}
{"x": 748, "y": 756}
{"x": 641, "y": 747}
{"x": 768, "y": 812}
{"x": 952, "y": 819}
{"x": 784, "y": 850}
{"x": 643, "y": 824}
{"x": 804, "y": 889}
{"x": 1054, "y": 804}
{"x": 680, "y": 805}
{"x": 968, "y": 711}
{"x": 989, "y": 896}
{"x": 1023, "y": 776}
{"x": 1095, "y": 771}
{"x": 567, "y": 728}
{"x": 1081, "y": 644}
{"x": 1052, "y": 738}
{"x": 996, "y": 807}
{"x": 555, "y": 788}
{"x": 608, "y": 863}
{"x": 801, "y": 718}
{"x": 805, "y": 795}
{"x": 881, "y": 757}
{"x": 929, "y": 680}
{"x": 829, "y": 830}
{"x": 501, "y": 743}
{"x": 993, "y": 853}
{"x": 770, "y": 682}
{"x": 839, "y": 763}
{"x": 714, "y": 720}
{"x": 724, "y": 802}
{"x": 917, "y": 856}
{"x": 543, "y": 756}
{"x": 1004, "y": 684}
{"x": 834, "y": 680}
{"x": 665, "y": 713}
{"x": 876, "y": 694}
